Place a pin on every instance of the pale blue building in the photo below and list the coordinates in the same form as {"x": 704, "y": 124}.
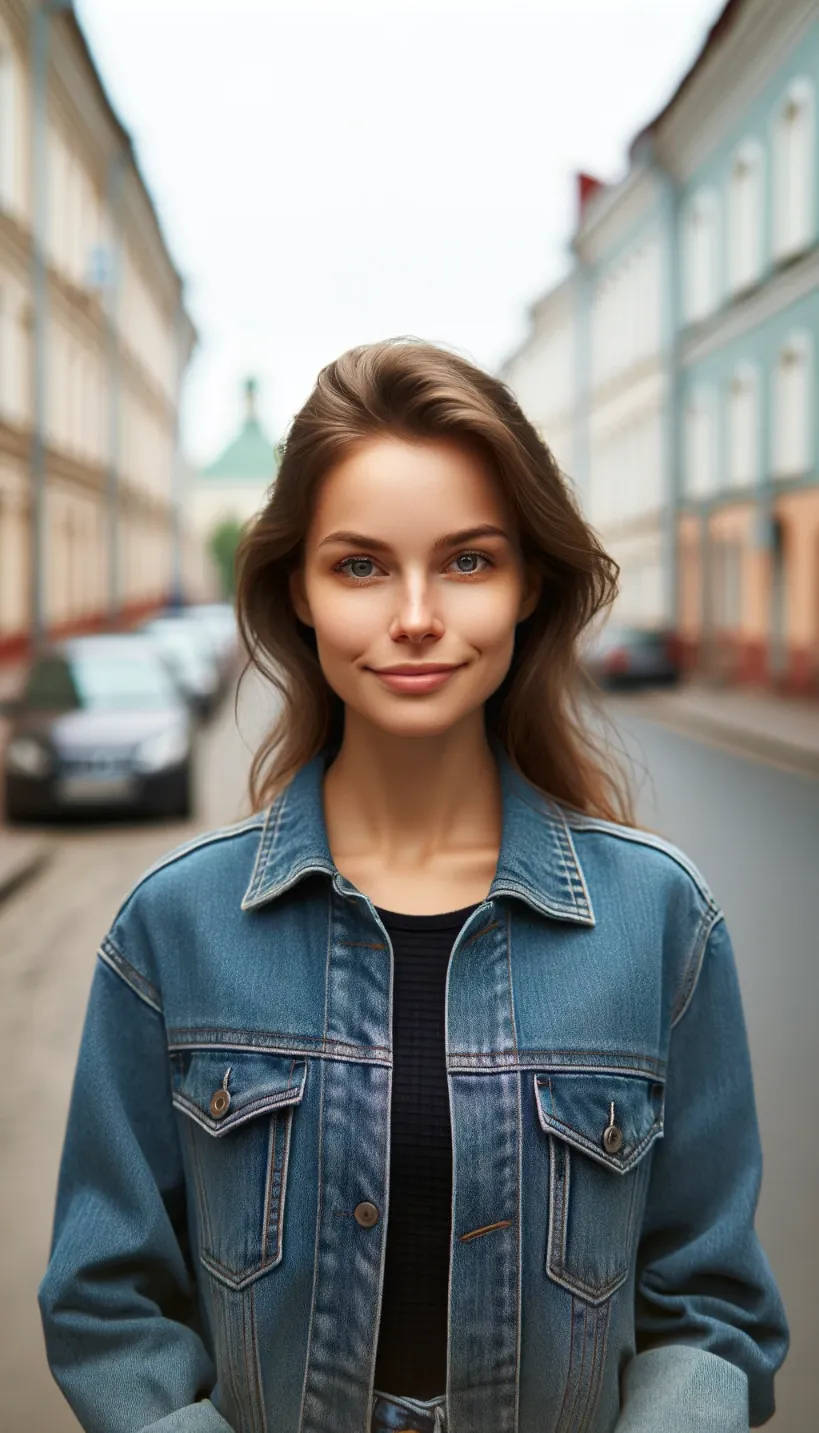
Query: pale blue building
{"x": 694, "y": 354}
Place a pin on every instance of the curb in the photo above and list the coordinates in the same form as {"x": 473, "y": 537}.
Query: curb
{"x": 770, "y": 749}
{"x": 23, "y": 864}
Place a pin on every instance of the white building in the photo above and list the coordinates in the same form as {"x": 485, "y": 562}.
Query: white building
{"x": 114, "y": 343}
{"x": 592, "y": 375}
{"x": 621, "y": 246}
{"x": 541, "y": 373}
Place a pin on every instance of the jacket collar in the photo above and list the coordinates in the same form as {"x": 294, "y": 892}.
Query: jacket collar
{"x": 537, "y": 863}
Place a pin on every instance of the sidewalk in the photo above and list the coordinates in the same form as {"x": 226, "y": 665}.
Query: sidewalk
{"x": 751, "y": 722}
{"x": 22, "y": 853}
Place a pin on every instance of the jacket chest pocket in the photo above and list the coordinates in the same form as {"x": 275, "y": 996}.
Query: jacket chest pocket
{"x": 600, "y": 1128}
{"x": 238, "y": 1109}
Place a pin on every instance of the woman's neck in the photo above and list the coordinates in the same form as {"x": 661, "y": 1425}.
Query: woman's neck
{"x": 410, "y": 802}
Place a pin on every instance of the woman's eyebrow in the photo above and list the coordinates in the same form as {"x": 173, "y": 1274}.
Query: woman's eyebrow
{"x": 452, "y": 539}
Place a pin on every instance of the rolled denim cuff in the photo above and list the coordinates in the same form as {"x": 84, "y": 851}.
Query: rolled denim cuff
{"x": 195, "y": 1418}
{"x": 678, "y": 1389}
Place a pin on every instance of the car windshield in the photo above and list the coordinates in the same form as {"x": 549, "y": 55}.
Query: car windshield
{"x": 188, "y": 655}
{"x": 110, "y": 681}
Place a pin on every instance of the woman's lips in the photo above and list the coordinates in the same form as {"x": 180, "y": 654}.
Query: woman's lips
{"x": 415, "y": 682}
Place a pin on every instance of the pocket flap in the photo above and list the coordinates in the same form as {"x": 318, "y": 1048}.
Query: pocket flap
{"x": 576, "y": 1106}
{"x": 253, "y": 1081}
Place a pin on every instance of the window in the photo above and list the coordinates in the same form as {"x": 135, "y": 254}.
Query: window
{"x": 793, "y": 176}
{"x": 745, "y": 218}
{"x": 700, "y": 444}
{"x": 743, "y": 428}
{"x": 792, "y": 408}
{"x": 700, "y": 257}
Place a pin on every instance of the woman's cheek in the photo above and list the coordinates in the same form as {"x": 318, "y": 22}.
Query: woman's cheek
{"x": 488, "y": 621}
{"x": 340, "y": 622}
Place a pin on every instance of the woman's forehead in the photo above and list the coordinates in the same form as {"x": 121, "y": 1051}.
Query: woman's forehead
{"x": 391, "y": 481}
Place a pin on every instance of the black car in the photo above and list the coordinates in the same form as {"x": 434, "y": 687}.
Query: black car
{"x": 621, "y": 656}
{"x": 100, "y": 727}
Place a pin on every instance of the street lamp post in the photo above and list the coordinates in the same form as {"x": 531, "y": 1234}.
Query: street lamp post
{"x": 39, "y": 35}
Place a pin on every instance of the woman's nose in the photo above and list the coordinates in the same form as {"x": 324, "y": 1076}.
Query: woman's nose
{"x": 417, "y": 614}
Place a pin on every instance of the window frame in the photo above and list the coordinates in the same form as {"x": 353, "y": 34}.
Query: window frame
{"x": 746, "y": 374}
{"x": 799, "y": 342}
{"x": 786, "y": 245}
{"x": 750, "y": 154}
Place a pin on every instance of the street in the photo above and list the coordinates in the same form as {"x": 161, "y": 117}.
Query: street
{"x": 752, "y": 829}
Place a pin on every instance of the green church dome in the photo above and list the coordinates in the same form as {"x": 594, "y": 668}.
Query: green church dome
{"x": 250, "y": 457}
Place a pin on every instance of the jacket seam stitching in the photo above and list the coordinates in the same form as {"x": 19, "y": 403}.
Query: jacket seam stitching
{"x": 265, "y": 841}
{"x": 685, "y": 995}
{"x": 210, "y": 838}
{"x": 645, "y": 838}
{"x": 112, "y": 956}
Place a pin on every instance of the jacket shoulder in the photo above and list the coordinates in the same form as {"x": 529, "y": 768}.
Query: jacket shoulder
{"x": 205, "y": 874}
{"x": 668, "y": 905}
{"x": 633, "y": 846}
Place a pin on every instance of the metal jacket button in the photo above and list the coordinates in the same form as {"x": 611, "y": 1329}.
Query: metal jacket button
{"x": 612, "y": 1139}
{"x": 219, "y": 1103}
{"x": 366, "y": 1214}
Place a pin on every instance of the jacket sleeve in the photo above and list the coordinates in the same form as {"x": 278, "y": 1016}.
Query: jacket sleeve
{"x": 710, "y": 1327}
{"x": 118, "y": 1299}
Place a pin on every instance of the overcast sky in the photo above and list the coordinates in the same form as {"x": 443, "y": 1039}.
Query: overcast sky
{"x": 329, "y": 172}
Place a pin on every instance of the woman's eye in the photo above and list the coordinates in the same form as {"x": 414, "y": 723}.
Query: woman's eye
{"x": 473, "y": 558}
{"x": 351, "y": 567}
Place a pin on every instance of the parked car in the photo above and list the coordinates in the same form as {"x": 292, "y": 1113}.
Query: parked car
{"x": 191, "y": 656}
{"x": 220, "y": 620}
{"x": 100, "y": 726}
{"x": 621, "y": 656}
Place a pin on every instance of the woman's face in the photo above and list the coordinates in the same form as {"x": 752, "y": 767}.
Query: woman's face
{"x": 412, "y": 560}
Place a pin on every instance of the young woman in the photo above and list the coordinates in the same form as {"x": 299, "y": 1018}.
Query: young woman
{"x": 421, "y": 1098}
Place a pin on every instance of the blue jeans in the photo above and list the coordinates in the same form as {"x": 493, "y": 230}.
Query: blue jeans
{"x": 391, "y": 1414}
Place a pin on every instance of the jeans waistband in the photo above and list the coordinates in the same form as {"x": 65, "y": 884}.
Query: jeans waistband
{"x": 390, "y": 1415}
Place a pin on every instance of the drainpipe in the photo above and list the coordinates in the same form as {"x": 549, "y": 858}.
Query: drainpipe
{"x": 39, "y": 37}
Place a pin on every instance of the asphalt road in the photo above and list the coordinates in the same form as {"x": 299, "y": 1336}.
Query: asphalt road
{"x": 754, "y": 832}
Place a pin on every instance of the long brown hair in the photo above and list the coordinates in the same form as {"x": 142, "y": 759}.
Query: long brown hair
{"x": 414, "y": 390}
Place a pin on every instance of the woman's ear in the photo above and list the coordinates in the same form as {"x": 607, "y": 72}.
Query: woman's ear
{"x": 298, "y": 597}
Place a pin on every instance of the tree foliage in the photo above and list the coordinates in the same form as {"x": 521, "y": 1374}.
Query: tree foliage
{"x": 223, "y": 543}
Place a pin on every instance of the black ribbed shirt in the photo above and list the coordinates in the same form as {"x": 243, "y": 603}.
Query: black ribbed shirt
{"x": 412, "y": 1342}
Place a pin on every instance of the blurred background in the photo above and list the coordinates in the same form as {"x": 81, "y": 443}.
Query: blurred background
{"x": 610, "y": 203}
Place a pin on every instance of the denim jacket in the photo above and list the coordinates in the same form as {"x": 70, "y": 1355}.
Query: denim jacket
{"x": 223, "y": 1202}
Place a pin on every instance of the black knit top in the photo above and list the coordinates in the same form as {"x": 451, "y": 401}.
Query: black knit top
{"x": 411, "y": 1359}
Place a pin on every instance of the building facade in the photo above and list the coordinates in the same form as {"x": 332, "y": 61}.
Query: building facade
{"x": 94, "y": 343}
{"x": 742, "y": 146}
{"x": 697, "y": 322}
{"x": 541, "y": 372}
{"x": 621, "y": 251}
